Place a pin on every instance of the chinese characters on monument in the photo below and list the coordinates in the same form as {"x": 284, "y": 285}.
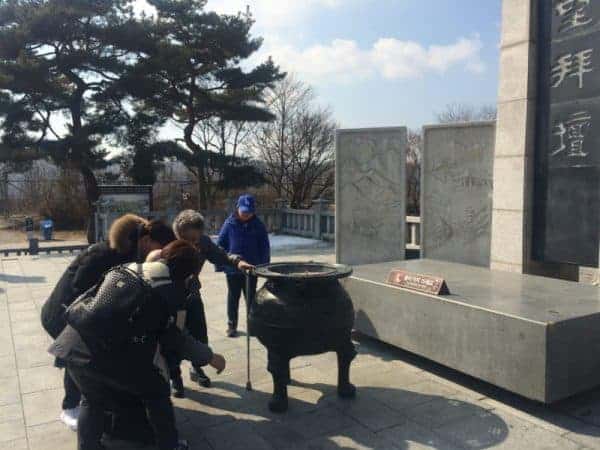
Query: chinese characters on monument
{"x": 567, "y": 183}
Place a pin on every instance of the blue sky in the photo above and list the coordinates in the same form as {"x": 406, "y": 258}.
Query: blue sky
{"x": 383, "y": 62}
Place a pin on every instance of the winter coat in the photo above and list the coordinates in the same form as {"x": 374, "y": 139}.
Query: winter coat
{"x": 248, "y": 239}
{"x": 140, "y": 353}
{"x": 82, "y": 274}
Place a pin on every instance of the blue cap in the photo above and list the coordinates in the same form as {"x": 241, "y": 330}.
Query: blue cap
{"x": 247, "y": 204}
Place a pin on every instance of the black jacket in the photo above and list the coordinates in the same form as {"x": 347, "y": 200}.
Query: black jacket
{"x": 82, "y": 274}
{"x": 155, "y": 325}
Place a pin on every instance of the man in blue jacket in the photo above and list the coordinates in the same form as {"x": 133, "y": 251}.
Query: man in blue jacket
{"x": 243, "y": 234}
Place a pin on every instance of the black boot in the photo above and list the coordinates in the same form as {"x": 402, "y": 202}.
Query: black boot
{"x": 197, "y": 375}
{"x": 177, "y": 387}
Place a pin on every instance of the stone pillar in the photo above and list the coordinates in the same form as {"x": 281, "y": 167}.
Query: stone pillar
{"x": 280, "y": 205}
{"x": 512, "y": 216}
{"x": 319, "y": 205}
{"x": 515, "y": 138}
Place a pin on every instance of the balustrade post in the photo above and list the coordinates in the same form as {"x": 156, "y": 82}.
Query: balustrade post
{"x": 280, "y": 205}
{"x": 319, "y": 206}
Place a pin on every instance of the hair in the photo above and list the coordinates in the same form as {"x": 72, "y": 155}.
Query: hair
{"x": 182, "y": 259}
{"x": 159, "y": 232}
{"x": 122, "y": 234}
{"x": 186, "y": 220}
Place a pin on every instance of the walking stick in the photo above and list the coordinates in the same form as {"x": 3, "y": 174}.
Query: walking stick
{"x": 249, "y": 298}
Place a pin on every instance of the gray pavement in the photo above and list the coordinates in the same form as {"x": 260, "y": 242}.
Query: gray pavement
{"x": 404, "y": 402}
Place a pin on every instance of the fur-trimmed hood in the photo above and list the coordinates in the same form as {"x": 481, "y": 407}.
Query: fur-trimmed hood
{"x": 122, "y": 234}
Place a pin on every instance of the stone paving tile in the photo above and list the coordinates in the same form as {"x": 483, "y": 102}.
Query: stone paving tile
{"x": 25, "y": 344}
{"x": 42, "y": 407}
{"x": 34, "y": 358}
{"x": 51, "y": 436}
{"x": 441, "y": 411}
{"x": 412, "y": 436}
{"x": 371, "y": 413}
{"x": 11, "y": 412}
{"x": 320, "y": 422}
{"x": 501, "y": 430}
{"x": 8, "y": 367}
{"x": 12, "y": 430}
{"x": 19, "y": 444}
{"x": 584, "y": 434}
{"x": 23, "y": 306}
{"x": 234, "y": 436}
{"x": 40, "y": 379}
{"x": 355, "y": 438}
{"x": 9, "y": 391}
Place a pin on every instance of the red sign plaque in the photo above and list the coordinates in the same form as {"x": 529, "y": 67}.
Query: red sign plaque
{"x": 422, "y": 283}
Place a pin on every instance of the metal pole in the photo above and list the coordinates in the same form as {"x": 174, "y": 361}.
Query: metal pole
{"x": 249, "y": 296}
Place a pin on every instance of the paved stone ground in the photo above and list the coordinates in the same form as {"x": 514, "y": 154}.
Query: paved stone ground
{"x": 404, "y": 402}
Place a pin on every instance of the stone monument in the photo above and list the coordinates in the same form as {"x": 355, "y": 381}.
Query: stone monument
{"x": 370, "y": 195}
{"x": 536, "y": 336}
{"x": 456, "y": 192}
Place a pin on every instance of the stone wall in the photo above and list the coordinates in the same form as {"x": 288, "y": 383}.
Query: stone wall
{"x": 456, "y": 192}
{"x": 370, "y": 195}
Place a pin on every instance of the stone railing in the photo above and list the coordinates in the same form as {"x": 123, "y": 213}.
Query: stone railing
{"x": 317, "y": 222}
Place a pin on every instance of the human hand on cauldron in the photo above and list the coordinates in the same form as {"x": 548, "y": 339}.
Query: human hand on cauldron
{"x": 218, "y": 362}
{"x": 245, "y": 267}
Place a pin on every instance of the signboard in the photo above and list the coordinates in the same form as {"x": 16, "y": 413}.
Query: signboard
{"x": 126, "y": 199}
{"x": 567, "y": 155}
{"x": 117, "y": 200}
{"x": 417, "y": 282}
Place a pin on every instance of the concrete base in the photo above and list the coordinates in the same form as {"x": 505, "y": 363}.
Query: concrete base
{"x": 534, "y": 336}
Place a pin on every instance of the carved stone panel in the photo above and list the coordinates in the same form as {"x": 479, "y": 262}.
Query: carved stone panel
{"x": 456, "y": 193}
{"x": 370, "y": 195}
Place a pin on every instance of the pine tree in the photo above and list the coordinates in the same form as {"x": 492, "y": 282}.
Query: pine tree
{"x": 195, "y": 76}
{"x": 60, "y": 66}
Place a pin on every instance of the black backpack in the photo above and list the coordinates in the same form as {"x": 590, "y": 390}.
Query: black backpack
{"x": 109, "y": 311}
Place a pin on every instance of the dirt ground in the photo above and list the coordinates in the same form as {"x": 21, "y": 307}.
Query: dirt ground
{"x": 19, "y": 237}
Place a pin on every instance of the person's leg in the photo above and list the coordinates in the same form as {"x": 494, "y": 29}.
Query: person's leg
{"x": 70, "y": 404}
{"x": 174, "y": 365}
{"x": 91, "y": 426}
{"x": 93, "y": 405}
{"x": 253, "y": 283}
{"x": 235, "y": 284}
{"x": 195, "y": 322}
{"x": 72, "y": 394}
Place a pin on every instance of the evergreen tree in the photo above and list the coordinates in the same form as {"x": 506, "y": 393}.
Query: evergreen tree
{"x": 60, "y": 66}
{"x": 194, "y": 75}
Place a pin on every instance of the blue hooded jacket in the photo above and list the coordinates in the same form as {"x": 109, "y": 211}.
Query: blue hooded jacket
{"x": 250, "y": 240}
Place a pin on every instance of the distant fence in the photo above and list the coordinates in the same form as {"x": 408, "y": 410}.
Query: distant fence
{"x": 317, "y": 222}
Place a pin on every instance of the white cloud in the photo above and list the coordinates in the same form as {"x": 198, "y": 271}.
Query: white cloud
{"x": 388, "y": 58}
{"x": 276, "y": 14}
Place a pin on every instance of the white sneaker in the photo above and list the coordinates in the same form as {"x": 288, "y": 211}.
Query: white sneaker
{"x": 69, "y": 417}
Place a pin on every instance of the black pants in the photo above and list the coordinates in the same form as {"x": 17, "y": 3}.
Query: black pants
{"x": 110, "y": 392}
{"x": 72, "y": 395}
{"x": 236, "y": 284}
{"x": 195, "y": 323}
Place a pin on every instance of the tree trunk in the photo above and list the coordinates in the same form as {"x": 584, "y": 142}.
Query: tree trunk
{"x": 202, "y": 197}
{"x": 92, "y": 194}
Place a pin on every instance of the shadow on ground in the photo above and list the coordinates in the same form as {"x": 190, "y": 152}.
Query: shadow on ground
{"x": 17, "y": 279}
{"x": 313, "y": 425}
{"x": 578, "y": 414}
